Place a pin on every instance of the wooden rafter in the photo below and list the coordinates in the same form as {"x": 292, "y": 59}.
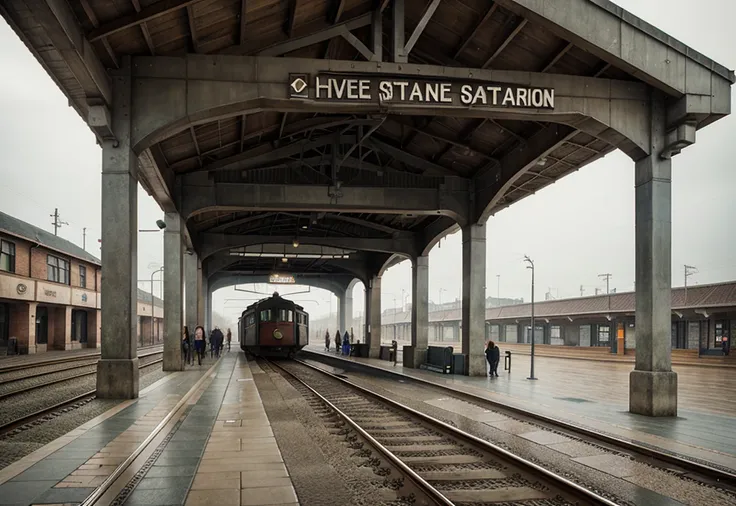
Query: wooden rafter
{"x": 144, "y": 29}
{"x": 421, "y": 26}
{"x": 291, "y": 21}
{"x": 478, "y": 25}
{"x": 95, "y": 22}
{"x": 134, "y": 19}
{"x": 192, "y": 28}
{"x": 243, "y": 20}
{"x": 557, "y": 57}
{"x": 505, "y": 43}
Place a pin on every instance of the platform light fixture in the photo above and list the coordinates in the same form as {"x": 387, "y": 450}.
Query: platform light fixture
{"x": 531, "y": 266}
{"x": 295, "y": 242}
{"x": 284, "y": 260}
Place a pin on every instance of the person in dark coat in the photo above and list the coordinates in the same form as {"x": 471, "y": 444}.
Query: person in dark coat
{"x": 327, "y": 340}
{"x": 725, "y": 345}
{"x": 493, "y": 356}
{"x": 346, "y": 343}
{"x": 186, "y": 346}
{"x": 338, "y": 341}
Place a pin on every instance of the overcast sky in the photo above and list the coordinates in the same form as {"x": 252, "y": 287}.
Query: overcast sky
{"x": 576, "y": 229}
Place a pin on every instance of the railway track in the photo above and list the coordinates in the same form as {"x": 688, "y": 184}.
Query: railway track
{"x": 435, "y": 463}
{"x": 707, "y": 473}
{"x": 88, "y": 368}
{"x": 16, "y": 423}
{"x": 65, "y": 360}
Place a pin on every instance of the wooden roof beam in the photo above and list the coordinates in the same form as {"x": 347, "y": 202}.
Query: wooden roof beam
{"x": 557, "y": 57}
{"x": 243, "y": 21}
{"x": 506, "y": 42}
{"x": 317, "y": 36}
{"x": 95, "y": 23}
{"x": 362, "y": 223}
{"x": 408, "y": 158}
{"x": 449, "y": 141}
{"x": 421, "y": 26}
{"x": 358, "y": 44}
{"x": 144, "y": 29}
{"x": 291, "y": 21}
{"x": 480, "y": 23}
{"x": 192, "y": 28}
{"x": 134, "y": 19}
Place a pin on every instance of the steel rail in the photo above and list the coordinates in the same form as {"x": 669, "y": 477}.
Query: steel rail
{"x": 560, "y": 481}
{"x": 719, "y": 475}
{"x": 59, "y": 380}
{"x": 54, "y": 361}
{"x": 7, "y": 427}
{"x": 433, "y": 494}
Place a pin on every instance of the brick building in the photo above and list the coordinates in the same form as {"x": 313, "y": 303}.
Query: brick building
{"x": 50, "y": 292}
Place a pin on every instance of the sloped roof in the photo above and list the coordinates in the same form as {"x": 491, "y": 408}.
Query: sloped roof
{"x": 714, "y": 295}
{"x": 19, "y": 228}
{"x": 145, "y": 297}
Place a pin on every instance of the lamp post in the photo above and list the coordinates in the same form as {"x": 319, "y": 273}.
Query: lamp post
{"x": 531, "y": 266}
{"x": 153, "y": 301}
{"x": 161, "y": 224}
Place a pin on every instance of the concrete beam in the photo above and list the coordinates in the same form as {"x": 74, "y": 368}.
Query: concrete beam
{"x": 630, "y": 43}
{"x": 210, "y": 244}
{"x": 173, "y": 93}
{"x": 200, "y": 194}
{"x": 336, "y": 284}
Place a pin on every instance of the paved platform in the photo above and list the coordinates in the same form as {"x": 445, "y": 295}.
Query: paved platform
{"x": 595, "y": 395}
{"x": 214, "y": 446}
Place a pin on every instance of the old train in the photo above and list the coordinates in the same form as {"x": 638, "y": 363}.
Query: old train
{"x": 273, "y": 326}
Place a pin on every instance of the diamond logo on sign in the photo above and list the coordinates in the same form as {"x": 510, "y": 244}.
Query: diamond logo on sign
{"x": 298, "y": 86}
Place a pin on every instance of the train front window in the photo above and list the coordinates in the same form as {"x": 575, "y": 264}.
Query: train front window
{"x": 266, "y": 315}
{"x": 285, "y": 315}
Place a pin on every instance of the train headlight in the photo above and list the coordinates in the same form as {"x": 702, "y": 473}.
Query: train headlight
{"x": 277, "y": 334}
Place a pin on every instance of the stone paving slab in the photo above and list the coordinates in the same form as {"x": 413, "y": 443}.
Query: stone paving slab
{"x": 69, "y": 468}
{"x": 589, "y": 394}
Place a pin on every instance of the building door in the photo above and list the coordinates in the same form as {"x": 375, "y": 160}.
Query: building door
{"x": 4, "y": 325}
{"x": 42, "y": 325}
{"x": 79, "y": 325}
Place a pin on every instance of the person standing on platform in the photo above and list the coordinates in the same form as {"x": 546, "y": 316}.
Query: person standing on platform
{"x": 338, "y": 341}
{"x": 199, "y": 343}
{"x": 186, "y": 346}
{"x": 217, "y": 340}
{"x": 327, "y": 340}
{"x": 346, "y": 344}
{"x": 493, "y": 356}
{"x": 229, "y": 338}
{"x": 725, "y": 345}
{"x": 352, "y": 337}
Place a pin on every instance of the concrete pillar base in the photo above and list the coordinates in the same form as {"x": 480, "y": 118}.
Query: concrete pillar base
{"x": 414, "y": 357}
{"x": 477, "y": 364}
{"x": 653, "y": 393}
{"x": 117, "y": 378}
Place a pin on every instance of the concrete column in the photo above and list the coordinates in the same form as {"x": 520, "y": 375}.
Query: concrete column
{"x": 208, "y": 310}
{"x": 173, "y": 287}
{"x": 342, "y": 313}
{"x": 191, "y": 274}
{"x": 374, "y": 312}
{"x": 348, "y": 297}
{"x": 117, "y": 370}
{"x": 417, "y": 353}
{"x": 653, "y": 385}
{"x": 473, "y": 303}
{"x": 367, "y": 314}
{"x": 23, "y": 326}
{"x": 201, "y": 295}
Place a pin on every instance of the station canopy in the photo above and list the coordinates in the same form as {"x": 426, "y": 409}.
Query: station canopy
{"x": 485, "y": 161}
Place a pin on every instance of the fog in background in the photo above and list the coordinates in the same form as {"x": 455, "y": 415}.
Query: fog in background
{"x": 575, "y": 229}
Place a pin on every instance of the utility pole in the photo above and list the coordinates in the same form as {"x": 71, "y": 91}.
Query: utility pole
{"x": 608, "y": 277}
{"x": 498, "y": 289}
{"x": 689, "y": 271}
{"x": 57, "y": 221}
{"x": 84, "y": 238}
{"x": 582, "y": 290}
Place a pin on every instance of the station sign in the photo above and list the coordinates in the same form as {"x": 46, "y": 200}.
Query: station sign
{"x": 417, "y": 91}
{"x": 281, "y": 279}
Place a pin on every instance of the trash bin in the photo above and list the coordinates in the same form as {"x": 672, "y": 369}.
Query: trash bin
{"x": 507, "y": 362}
{"x": 12, "y": 346}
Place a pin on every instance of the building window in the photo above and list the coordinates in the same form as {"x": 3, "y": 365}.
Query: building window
{"x": 57, "y": 269}
{"x": 7, "y": 256}
{"x": 82, "y": 276}
{"x": 604, "y": 335}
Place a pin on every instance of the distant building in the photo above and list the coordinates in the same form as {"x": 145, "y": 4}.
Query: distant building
{"x": 50, "y": 292}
